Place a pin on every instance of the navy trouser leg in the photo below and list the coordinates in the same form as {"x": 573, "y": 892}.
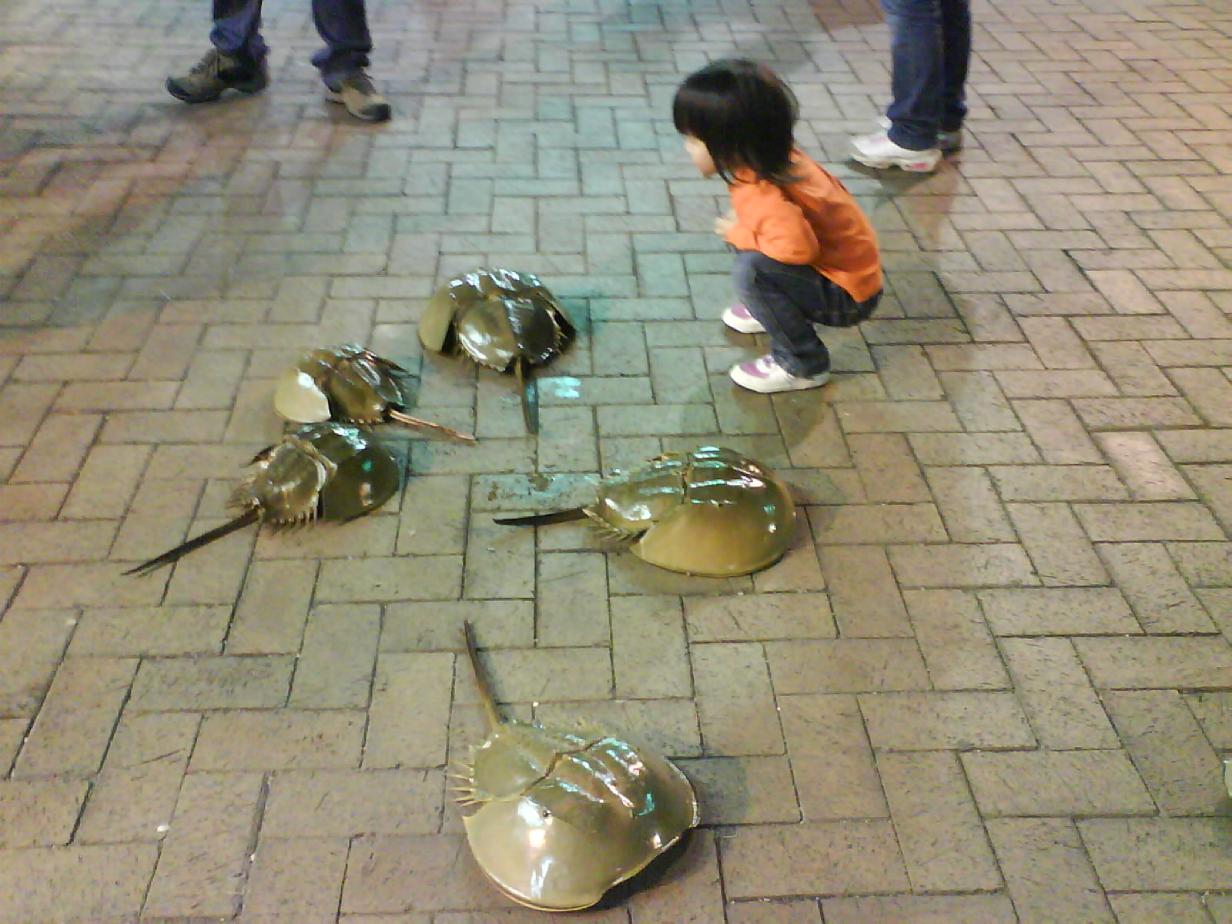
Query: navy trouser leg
{"x": 343, "y": 24}
{"x": 785, "y": 299}
{"x": 930, "y": 47}
{"x": 237, "y": 29}
{"x": 956, "y": 50}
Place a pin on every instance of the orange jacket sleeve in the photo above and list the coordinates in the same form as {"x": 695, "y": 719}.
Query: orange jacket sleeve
{"x": 769, "y": 222}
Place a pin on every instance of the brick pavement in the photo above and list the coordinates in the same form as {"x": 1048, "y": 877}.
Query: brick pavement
{"x": 993, "y": 679}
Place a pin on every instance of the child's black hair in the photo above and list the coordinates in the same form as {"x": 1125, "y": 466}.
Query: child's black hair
{"x": 744, "y": 114}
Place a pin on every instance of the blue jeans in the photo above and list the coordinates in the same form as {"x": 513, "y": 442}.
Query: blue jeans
{"x": 930, "y": 48}
{"x": 341, "y": 23}
{"x": 788, "y": 300}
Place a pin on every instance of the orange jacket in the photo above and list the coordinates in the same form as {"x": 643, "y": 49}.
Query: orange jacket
{"x": 813, "y": 222}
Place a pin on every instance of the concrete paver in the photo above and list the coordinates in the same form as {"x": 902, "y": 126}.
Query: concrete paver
{"x": 991, "y": 682}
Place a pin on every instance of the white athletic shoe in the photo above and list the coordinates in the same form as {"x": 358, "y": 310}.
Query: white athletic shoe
{"x": 737, "y": 317}
{"x": 878, "y": 151}
{"x": 947, "y": 142}
{"x": 767, "y": 377}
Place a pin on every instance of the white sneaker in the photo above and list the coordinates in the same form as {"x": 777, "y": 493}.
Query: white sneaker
{"x": 737, "y": 317}
{"x": 767, "y": 377}
{"x": 879, "y": 151}
{"x": 947, "y": 142}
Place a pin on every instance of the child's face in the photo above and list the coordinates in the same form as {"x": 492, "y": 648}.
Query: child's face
{"x": 700, "y": 155}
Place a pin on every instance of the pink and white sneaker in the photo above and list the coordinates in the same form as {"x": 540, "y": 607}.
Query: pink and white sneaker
{"x": 737, "y": 317}
{"x": 879, "y": 152}
{"x": 765, "y": 376}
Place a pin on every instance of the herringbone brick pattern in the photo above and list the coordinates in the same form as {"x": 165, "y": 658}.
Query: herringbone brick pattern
{"x": 992, "y": 682}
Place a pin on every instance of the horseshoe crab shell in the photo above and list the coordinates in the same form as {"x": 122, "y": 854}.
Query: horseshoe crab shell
{"x": 350, "y": 384}
{"x": 562, "y": 817}
{"x": 326, "y": 470}
{"x": 711, "y": 512}
{"x": 502, "y": 319}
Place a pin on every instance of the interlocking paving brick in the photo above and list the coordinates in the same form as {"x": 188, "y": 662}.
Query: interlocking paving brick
{"x": 91, "y": 883}
{"x": 177, "y": 684}
{"x": 1056, "y": 694}
{"x": 285, "y": 739}
{"x": 1058, "y": 548}
{"x": 931, "y": 721}
{"x": 1175, "y": 759}
{"x": 1056, "y": 783}
{"x": 938, "y": 828}
{"x": 335, "y": 665}
{"x": 344, "y": 803}
{"x": 735, "y": 700}
{"x": 39, "y": 813}
{"x": 1019, "y": 476}
{"x": 76, "y": 720}
{"x": 296, "y": 880}
{"x": 402, "y": 737}
{"x": 216, "y": 818}
{"x": 1048, "y": 873}
{"x": 1157, "y": 662}
{"x": 955, "y": 641}
{"x": 920, "y": 909}
{"x": 1161, "y": 599}
{"x": 831, "y": 758}
{"x": 150, "y": 631}
{"x": 835, "y": 858}
{"x": 134, "y": 796}
{"x": 846, "y": 666}
{"x": 1158, "y": 854}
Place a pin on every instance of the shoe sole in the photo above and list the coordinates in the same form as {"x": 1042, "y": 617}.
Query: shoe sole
{"x": 382, "y": 113}
{"x": 813, "y": 383}
{"x": 744, "y": 330}
{"x": 248, "y": 88}
{"x": 911, "y": 166}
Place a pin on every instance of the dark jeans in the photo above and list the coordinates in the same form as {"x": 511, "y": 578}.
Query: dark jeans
{"x": 788, "y": 300}
{"x": 341, "y": 23}
{"x": 930, "y": 47}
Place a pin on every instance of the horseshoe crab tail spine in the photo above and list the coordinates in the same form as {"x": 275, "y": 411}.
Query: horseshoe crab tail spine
{"x": 542, "y": 519}
{"x": 481, "y": 681}
{"x": 173, "y": 555}
{"x": 530, "y": 395}
{"x": 420, "y": 424}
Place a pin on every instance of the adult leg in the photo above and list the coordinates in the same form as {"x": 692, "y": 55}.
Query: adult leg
{"x": 343, "y": 24}
{"x": 917, "y": 70}
{"x": 784, "y": 298}
{"x": 237, "y": 30}
{"x": 956, "y": 42}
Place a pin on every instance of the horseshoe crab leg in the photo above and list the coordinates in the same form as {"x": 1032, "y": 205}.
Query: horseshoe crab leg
{"x": 174, "y": 555}
{"x": 420, "y": 424}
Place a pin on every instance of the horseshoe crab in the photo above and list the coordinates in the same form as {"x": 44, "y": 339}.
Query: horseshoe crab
{"x": 349, "y": 384}
{"x": 325, "y": 470}
{"x": 711, "y": 512}
{"x": 501, "y": 319}
{"x": 565, "y": 816}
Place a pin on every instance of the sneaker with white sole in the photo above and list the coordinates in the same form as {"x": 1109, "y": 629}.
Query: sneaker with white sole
{"x": 767, "y": 377}
{"x": 879, "y": 152}
{"x": 947, "y": 142}
{"x": 738, "y": 318}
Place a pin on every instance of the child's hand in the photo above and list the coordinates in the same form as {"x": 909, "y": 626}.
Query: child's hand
{"x": 725, "y": 223}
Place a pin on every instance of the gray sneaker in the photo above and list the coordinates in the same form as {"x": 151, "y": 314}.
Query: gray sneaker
{"x": 947, "y": 142}
{"x": 214, "y": 74}
{"x": 356, "y": 92}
